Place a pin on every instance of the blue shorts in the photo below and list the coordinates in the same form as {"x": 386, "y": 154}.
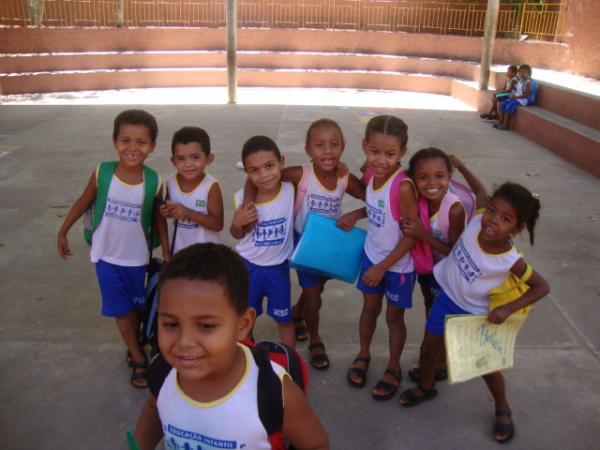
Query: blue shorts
{"x": 306, "y": 279}
{"x": 510, "y": 105}
{"x": 397, "y": 287}
{"x": 272, "y": 282}
{"x": 121, "y": 288}
{"x": 442, "y": 306}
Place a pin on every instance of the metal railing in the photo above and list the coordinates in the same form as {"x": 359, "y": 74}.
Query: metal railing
{"x": 537, "y": 19}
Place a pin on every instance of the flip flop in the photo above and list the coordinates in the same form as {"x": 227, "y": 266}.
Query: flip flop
{"x": 389, "y": 388}
{"x": 410, "y": 398}
{"x": 319, "y": 361}
{"x": 358, "y": 372}
{"x": 300, "y": 329}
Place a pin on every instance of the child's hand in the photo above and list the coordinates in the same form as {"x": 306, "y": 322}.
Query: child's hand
{"x": 63, "y": 247}
{"x": 499, "y": 315}
{"x": 456, "y": 162}
{"x": 347, "y": 221}
{"x": 341, "y": 170}
{"x": 373, "y": 275}
{"x": 413, "y": 228}
{"x": 166, "y": 256}
{"x": 174, "y": 210}
{"x": 245, "y": 215}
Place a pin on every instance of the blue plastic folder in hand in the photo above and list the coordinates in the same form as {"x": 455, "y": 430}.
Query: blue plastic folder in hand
{"x": 327, "y": 250}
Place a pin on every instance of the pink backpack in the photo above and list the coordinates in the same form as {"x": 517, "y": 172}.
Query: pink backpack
{"x": 421, "y": 253}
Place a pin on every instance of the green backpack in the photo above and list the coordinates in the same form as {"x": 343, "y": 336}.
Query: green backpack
{"x": 94, "y": 214}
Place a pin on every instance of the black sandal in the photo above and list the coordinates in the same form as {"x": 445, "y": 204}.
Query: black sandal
{"x": 389, "y": 388}
{"x": 507, "y": 429}
{"x": 300, "y": 329}
{"x": 319, "y": 361}
{"x": 143, "y": 375}
{"x": 358, "y": 372}
{"x": 409, "y": 398}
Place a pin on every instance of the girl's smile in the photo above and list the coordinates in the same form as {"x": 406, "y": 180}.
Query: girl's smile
{"x": 325, "y": 147}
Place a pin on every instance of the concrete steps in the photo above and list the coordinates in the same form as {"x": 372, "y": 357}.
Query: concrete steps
{"x": 572, "y": 140}
{"x": 565, "y": 120}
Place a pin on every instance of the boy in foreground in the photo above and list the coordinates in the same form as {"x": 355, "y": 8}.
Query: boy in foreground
{"x": 209, "y": 397}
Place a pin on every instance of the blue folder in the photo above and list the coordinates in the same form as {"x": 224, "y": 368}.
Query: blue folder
{"x": 326, "y": 250}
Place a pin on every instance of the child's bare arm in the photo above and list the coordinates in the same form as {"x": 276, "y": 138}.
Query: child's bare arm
{"x": 301, "y": 426}
{"x": 481, "y": 196}
{"x": 148, "y": 430}
{"x": 348, "y": 220}
{"x": 408, "y": 208}
{"x": 160, "y": 224}
{"x": 355, "y": 187}
{"x": 249, "y": 193}
{"x": 293, "y": 174}
{"x": 243, "y": 218}
{"x": 456, "y": 227}
{"x": 79, "y": 207}
{"x": 538, "y": 288}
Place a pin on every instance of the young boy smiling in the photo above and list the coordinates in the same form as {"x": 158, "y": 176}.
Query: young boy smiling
{"x": 265, "y": 233}
{"x": 194, "y": 198}
{"x": 209, "y": 397}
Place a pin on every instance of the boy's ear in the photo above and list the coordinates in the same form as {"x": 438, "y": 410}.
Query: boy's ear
{"x": 282, "y": 161}
{"x": 173, "y": 159}
{"x": 245, "y": 323}
{"x": 153, "y": 146}
{"x": 209, "y": 159}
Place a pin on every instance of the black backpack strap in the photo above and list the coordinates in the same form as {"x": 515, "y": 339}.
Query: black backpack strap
{"x": 157, "y": 373}
{"x": 269, "y": 393}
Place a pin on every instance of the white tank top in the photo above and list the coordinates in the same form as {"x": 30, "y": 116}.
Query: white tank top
{"x": 383, "y": 232}
{"x": 468, "y": 273}
{"x": 231, "y": 422}
{"x": 318, "y": 199}
{"x": 119, "y": 238}
{"x": 189, "y": 232}
{"x": 271, "y": 240}
{"x": 440, "y": 229}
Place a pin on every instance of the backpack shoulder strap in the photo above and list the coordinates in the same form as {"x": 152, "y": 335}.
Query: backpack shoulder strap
{"x": 150, "y": 188}
{"x": 395, "y": 193}
{"x": 104, "y": 174}
{"x": 302, "y": 187}
{"x": 158, "y": 370}
{"x": 269, "y": 397}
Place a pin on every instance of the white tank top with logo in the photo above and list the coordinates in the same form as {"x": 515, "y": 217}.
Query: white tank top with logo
{"x": 469, "y": 273}
{"x": 189, "y": 232}
{"x": 317, "y": 198}
{"x": 231, "y": 422}
{"x": 383, "y": 232}
{"x": 119, "y": 238}
{"x": 271, "y": 241}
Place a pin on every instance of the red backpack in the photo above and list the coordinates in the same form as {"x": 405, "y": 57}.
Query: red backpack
{"x": 269, "y": 388}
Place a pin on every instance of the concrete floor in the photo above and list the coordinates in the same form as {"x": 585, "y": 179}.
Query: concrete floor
{"x": 64, "y": 383}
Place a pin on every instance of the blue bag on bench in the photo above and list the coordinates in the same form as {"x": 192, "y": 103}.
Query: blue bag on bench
{"x": 326, "y": 250}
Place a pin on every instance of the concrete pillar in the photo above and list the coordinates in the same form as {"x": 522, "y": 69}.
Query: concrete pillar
{"x": 491, "y": 20}
{"x": 36, "y": 11}
{"x": 231, "y": 26}
{"x": 120, "y": 13}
